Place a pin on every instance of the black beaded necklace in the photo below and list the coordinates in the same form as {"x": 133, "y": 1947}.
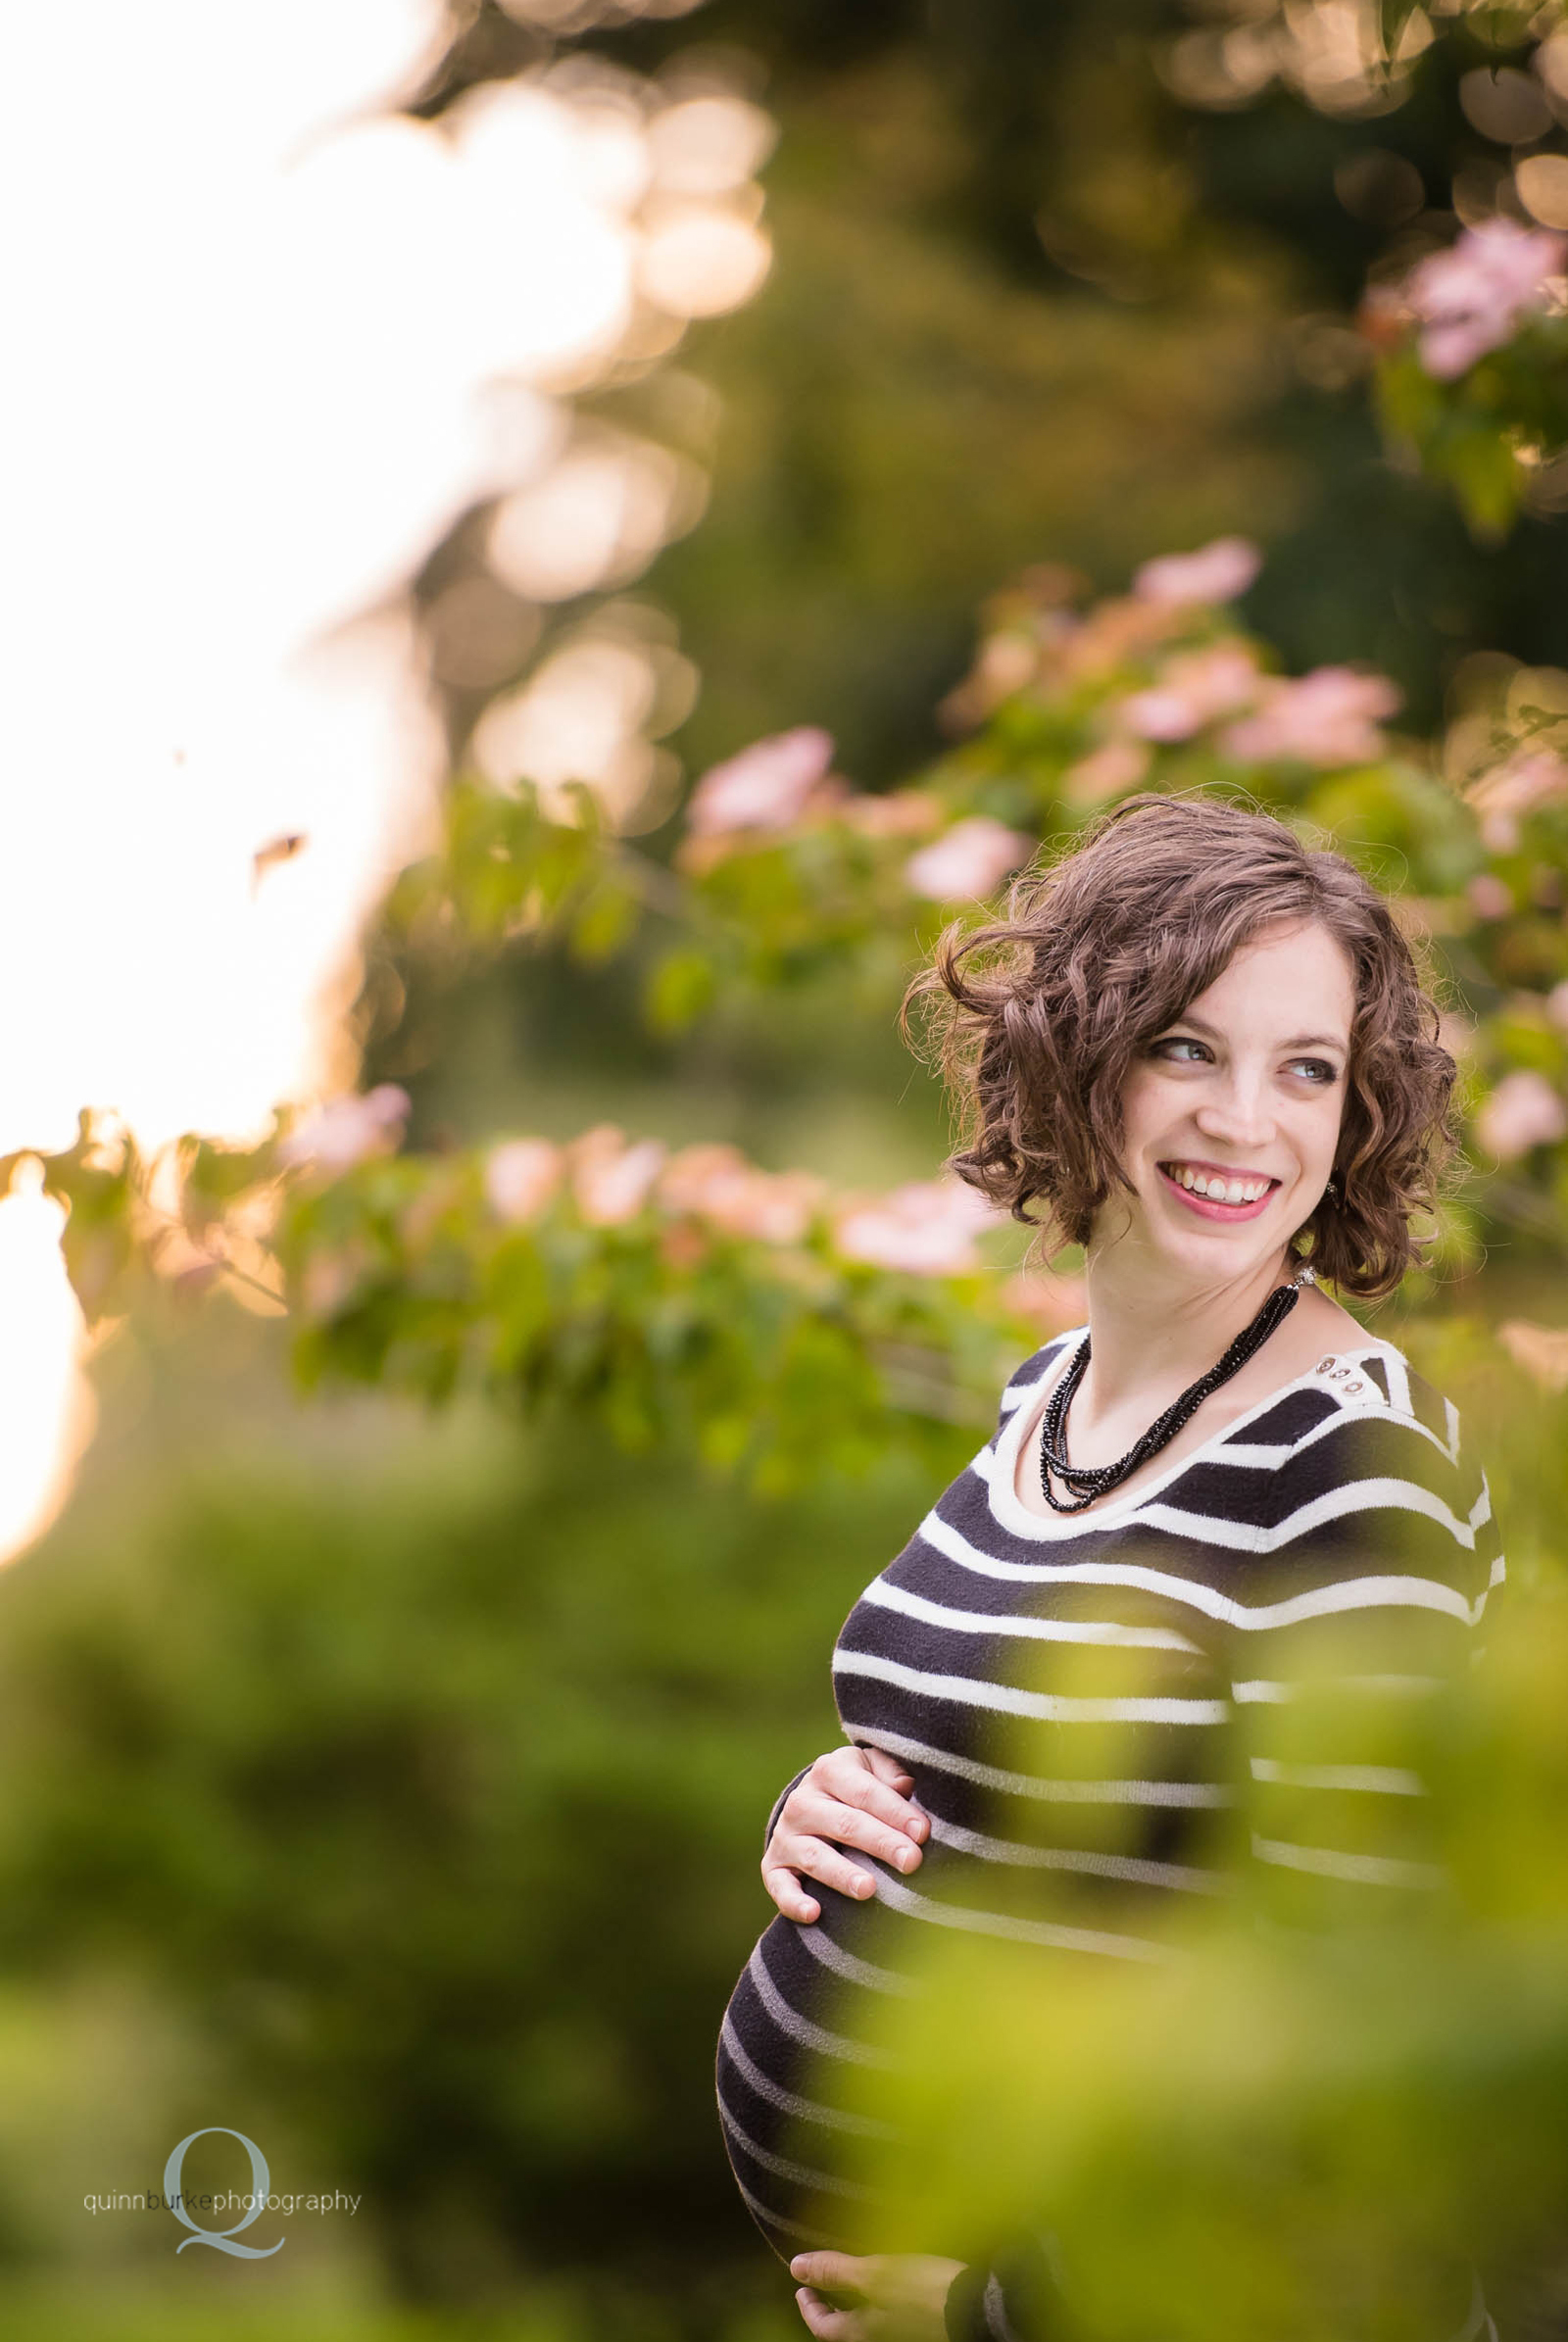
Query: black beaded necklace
{"x": 1087, "y": 1482}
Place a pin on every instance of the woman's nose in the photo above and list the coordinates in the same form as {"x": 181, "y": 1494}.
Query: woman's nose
{"x": 1239, "y": 1113}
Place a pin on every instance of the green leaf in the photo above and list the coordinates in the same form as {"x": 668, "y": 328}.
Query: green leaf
{"x": 603, "y": 923}
{"x": 1485, "y": 476}
{"x": 680, "y": 987}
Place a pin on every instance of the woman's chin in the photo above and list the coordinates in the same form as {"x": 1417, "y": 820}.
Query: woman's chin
{"x": 1198, "y": 1244}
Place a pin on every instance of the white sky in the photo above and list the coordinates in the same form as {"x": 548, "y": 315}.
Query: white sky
{"x": 266, "y": 343}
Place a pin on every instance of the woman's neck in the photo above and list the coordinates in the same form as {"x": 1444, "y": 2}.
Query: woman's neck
{"x": 1152, "y": 1336}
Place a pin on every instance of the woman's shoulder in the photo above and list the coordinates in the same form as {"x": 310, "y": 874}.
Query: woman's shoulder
{"x": 1373, "y": 1380}
{"x": 1384, "y": 1458}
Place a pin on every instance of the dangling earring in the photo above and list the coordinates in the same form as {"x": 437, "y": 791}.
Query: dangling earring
{"x": 1332, "y": 1190}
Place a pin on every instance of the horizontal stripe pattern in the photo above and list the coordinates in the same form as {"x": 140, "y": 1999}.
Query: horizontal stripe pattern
{"x": 1082, "y": 1700}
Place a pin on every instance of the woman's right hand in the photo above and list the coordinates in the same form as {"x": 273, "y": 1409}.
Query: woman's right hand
{"x": 850, "y": 1797}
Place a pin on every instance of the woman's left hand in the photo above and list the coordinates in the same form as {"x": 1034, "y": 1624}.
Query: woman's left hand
{"x": 904, "y": 2295}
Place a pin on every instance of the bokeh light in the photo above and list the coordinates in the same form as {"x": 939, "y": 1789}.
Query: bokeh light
{"x": 292, "y": 336}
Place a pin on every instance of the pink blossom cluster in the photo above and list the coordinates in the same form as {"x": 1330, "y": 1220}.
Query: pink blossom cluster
{"x": 928, "y": 1227}
{"x": 1502, "y": 798}
{"x": 716, "y": 1184}
{"x": 1329, "y": 718}
{"x": 611, "y": 1179}
{"x": 1541, "y": 1351}
{"x": 1216, "y": 572}
{"x": 765, "y": 786}
{"x": 1489, "y": 896}
{"x": 1523, "y": 1111}
{"x": 1106, "y": 773}
{"x": 344, "y": 1131}
{"x": 896, "y": 814}
{"x": 967, "y": 861}
{"x": 776, "y": 782}
{"x": 1105, "y": 638}
{"x": 520, "y": 1175}
{"x": 1471, "y": 298}
{"x": 1195, "y": 687}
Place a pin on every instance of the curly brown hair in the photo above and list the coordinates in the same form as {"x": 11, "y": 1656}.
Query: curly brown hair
{"x": 1037, "y": 1018}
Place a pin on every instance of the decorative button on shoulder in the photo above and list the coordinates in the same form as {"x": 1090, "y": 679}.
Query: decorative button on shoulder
{"x": 1326, "y": 1365}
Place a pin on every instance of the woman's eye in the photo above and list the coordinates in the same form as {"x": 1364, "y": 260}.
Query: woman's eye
{"x": 1319, "y": 1070}
{"x": 1180, "y": 1041}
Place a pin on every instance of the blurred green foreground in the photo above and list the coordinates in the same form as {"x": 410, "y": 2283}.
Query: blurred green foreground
{"x": 390, "y": 1791}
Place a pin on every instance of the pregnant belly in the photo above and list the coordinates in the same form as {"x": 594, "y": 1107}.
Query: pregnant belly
{"x": 803, "y": 2057}
{"x": 802, "y": 2054}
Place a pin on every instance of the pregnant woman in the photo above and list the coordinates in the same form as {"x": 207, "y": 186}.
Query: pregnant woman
{"x": 1202, "y": 1051}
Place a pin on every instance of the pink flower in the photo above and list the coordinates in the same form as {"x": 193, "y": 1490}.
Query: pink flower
{"x": 764, "y": 787}
{"x": 520, "y": 1175}
{"x": 719, "y": 1185}
{"x": 900, "y": 813}
{"x": 1195, "y": 687}
{"x": 1489, "y": 896}
{"x": 967, "y": 861}
{"x": 1471, "y": 298}
{"x": 694, "y": 1174}
{"x": 345, "y": 1130}
{"x": 1218, "y": 572}
{"x": 1106, "y": 772}
{"x": 1541, "y": 1351}
{"x": 1328, "y": 718}
{"x": 774, "y": 1208}
{"x": 928, "y": 1227}
{"x": 1192, "y": 692}
{"x": 1158, "y": 714}
{"x": 1514, "y": 789}
{"x": 610, "y": 1179}
{"x": 1523, "y": 1111}
{"x": 1005, "y": 663}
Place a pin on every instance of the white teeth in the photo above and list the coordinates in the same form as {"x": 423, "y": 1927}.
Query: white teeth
{"x": 1217, "y": 1188}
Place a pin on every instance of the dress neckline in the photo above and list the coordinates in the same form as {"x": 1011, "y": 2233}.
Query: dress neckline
{"x": 1008, "y": 1507}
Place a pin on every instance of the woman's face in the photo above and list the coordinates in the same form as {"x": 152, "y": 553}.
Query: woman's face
{"x": 1239, "y": 1096}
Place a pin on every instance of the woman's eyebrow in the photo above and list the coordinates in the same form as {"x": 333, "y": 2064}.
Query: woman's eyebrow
{"x": 1298, "y": 1040}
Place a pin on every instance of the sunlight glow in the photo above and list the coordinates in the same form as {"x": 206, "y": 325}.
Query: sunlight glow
{"x": 47, "y": 1409}
{"x": 279, "y": 338}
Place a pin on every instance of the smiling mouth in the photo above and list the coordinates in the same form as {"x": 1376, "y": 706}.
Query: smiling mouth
{"x": 1238, "y": 1195}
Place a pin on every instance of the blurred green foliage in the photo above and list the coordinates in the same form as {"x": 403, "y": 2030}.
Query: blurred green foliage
{"x": 421, "y": 1776}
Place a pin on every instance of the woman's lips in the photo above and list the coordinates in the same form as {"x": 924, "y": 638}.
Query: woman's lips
{"x": 1208, "y": 1209}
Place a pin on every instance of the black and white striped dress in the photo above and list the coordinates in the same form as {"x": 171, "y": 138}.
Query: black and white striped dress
{"x": 992, "y": 1653}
